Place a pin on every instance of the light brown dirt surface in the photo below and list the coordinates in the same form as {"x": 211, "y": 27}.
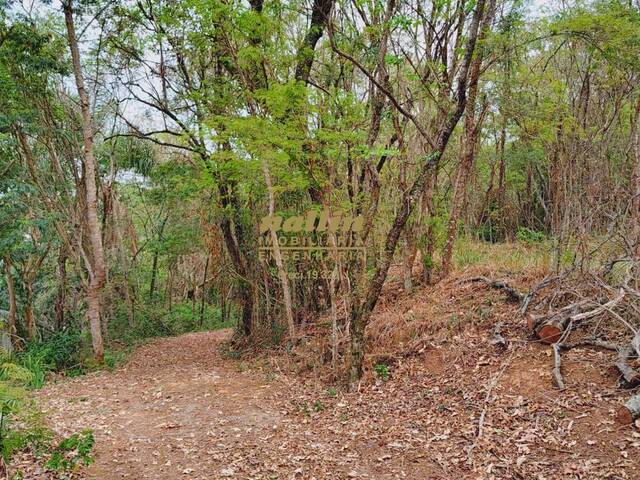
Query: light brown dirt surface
{"x": 179, "y": 410}
{"x": 455, "y": 408}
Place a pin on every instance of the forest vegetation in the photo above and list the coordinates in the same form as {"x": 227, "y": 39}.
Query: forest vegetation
{"x": 419, "y": 147}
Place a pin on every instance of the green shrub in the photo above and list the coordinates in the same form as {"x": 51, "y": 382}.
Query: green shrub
{"x": 382, "y": 371}
{"x": 72, "y": 451}
{"x": 529, "y": 236}
{"x": 21, "y": 424}
{"x": 59, "y": 352}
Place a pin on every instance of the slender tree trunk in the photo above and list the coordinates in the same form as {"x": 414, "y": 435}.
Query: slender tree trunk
{"x": 635, "y": 180}
{"x": 222, "y": 295}
{"x": 319, "y": 17}
{"x": 472, "y": 125}
{"x": 428, "y": 247}
{"x": 154, "y": 265}
{"x": 29, "y": 316}
{"x": 502, "y": 179}
{"x": 282, "y": 273}
{"x": 125, "y": 264}
{"x": 410, "y": 244}
{"x": 61, "y": 298}
{"x": 244, "y": 286}
{"x": 460, "y": 187}
{"x": 204, "y": 291}
{"x": 98, "y": 268}
{"x": 409, "y": 257}
{"x": 13, "y": 305}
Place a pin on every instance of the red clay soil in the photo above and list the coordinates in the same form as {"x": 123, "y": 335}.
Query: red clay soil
{"x": 457, "y": 408}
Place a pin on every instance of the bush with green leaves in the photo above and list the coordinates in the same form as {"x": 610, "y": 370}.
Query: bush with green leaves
{"x": 529, "y": 236}
{"x": 72, "y": 451}
{"x": 21, "y": 424}
{"x": 62, "y": 351}
{"x": 382, "y": 371}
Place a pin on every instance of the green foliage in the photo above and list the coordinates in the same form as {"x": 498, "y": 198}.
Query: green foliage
{"x": 59, "y": 351}
{"x": 21, "y": 424}
{"x": 529, "y": 236}
{"x": 36, "y": 368}
{"x": 154, "y": 320}
{"x": 427, "y": 262}
{"x": 72, "y": 451}
{"x": 382, "y": 371}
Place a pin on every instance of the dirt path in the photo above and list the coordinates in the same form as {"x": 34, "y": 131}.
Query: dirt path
{"x": 180, "y": 410}
{"x": 177, "y": 410}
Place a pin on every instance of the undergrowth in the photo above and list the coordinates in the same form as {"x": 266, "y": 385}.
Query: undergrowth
{"x": 22, "y": 426}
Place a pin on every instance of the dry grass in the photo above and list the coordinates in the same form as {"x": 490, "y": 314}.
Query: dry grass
{"x": 406, "y": 323}
{"x": 507, "y": 257}
{"x": 403, "y": 323}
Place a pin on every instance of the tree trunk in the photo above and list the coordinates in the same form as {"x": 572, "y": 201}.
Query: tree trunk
{"x": 61, "y": 297}
{"x": 97, "y": 268}
{"x": 319, "y": 17}
{"x": 282, "y": 273}
{"x": 29, "y": 317}
{"x": 472, "y": 125}
{"x": 204, "y": 291}
{"x": 635, "y": 180}
{"x": 428, "y": 239}
{"x": 13, "y": 306}
{"x": 154, "y": 266}
{"x": 409, "y": 257}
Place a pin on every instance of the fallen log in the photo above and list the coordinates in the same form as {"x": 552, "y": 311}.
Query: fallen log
{"x": 630, "y": 411}
{"x": 550, "y": 329}
{"x": 557, "y": 368}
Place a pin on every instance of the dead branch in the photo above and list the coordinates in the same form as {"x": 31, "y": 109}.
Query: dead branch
{"x": 557, "y": 372}
{"x": 513, "y": 294}
{"x": 558, "y": 347}
{"x": 533, "y": 291}
{"x": 630, "y": 377}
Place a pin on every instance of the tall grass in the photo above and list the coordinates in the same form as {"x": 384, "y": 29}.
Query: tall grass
{"x": 517, "y": 256}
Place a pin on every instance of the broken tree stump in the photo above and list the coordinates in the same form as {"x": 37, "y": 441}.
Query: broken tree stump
{"x": 630, "y": 411}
